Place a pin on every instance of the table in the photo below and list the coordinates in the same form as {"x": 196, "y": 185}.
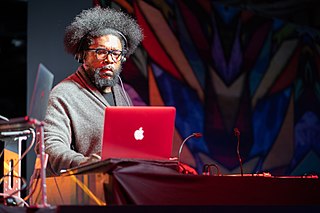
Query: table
{"x": 139, "y": 182}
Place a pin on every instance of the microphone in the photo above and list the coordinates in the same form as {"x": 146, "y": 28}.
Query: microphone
{"x": 237, "y": 134}
{"x": 196, "y": 135}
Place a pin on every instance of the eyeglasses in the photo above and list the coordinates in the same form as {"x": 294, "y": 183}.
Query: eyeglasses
{"x": 102, "y": 54}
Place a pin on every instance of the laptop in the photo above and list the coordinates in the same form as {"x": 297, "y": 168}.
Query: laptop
{"x": 139, "y": 132}
{"x": 38, "y": 103}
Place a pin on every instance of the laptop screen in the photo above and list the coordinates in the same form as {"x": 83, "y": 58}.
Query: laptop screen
{"x": 40, "y": 95}
{"x": 139, "y": 132}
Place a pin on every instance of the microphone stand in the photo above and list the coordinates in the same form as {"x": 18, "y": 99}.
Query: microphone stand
{"x": 39, "y": 126}
{"x": 237, "y": 134}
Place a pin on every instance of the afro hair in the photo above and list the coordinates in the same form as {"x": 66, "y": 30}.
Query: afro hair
{"x": 95, "y": 21}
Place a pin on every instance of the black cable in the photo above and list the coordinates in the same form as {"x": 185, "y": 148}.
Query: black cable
{"x": 55, "y": 181}
{"x": 184, "y": 170}
{"x": 37, "y": 172}
{"x": 207, "y": 169}
{"x": 35, "y": 176}
{"x": 11, "y": 199}
{"x": 23, "y": 187}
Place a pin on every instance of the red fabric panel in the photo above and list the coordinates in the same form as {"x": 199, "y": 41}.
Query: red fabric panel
{"x": 153, "y": 48}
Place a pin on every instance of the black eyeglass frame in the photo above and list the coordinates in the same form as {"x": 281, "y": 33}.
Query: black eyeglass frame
{"x": 116, "y": 55}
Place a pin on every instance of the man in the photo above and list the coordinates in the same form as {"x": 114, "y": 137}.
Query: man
{"x": 100, "y": 39}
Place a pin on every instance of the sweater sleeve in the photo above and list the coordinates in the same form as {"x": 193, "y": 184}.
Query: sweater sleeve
{"x": 57, "y": 137}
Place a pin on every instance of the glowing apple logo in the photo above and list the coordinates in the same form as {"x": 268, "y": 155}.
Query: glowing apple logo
{"x": 138, "y": 134}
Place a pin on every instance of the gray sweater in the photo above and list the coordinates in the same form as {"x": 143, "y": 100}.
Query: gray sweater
{"x": 73, "y": 125}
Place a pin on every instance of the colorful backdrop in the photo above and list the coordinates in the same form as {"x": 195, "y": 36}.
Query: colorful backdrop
{"x": 225, "y": 68}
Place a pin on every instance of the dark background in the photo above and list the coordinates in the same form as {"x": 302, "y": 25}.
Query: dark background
{"x": 13, "y": 56}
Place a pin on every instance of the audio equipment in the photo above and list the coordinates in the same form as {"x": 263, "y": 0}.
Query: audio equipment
{"x": 79, "y": 57}
{"x": 125, "y": 48}
{"x": 79, "y": 54}
{"x": 124, "y": 59}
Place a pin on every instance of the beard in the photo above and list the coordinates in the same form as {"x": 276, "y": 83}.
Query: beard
{"x": 103, "y": 80}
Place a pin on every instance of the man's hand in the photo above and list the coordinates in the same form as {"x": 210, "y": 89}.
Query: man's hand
{"x": 91, "y": 159}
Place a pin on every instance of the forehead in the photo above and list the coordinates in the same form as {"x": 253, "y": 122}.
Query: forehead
{"x": 110, "y": 41}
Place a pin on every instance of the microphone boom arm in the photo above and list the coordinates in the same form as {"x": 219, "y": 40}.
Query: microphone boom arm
{"x": 196, "y": 134}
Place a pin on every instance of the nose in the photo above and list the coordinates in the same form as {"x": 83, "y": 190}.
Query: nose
{"x": 108, "y": 59}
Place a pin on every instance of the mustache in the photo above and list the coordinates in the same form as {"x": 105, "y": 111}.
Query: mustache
{"x": 108, "y": 67}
